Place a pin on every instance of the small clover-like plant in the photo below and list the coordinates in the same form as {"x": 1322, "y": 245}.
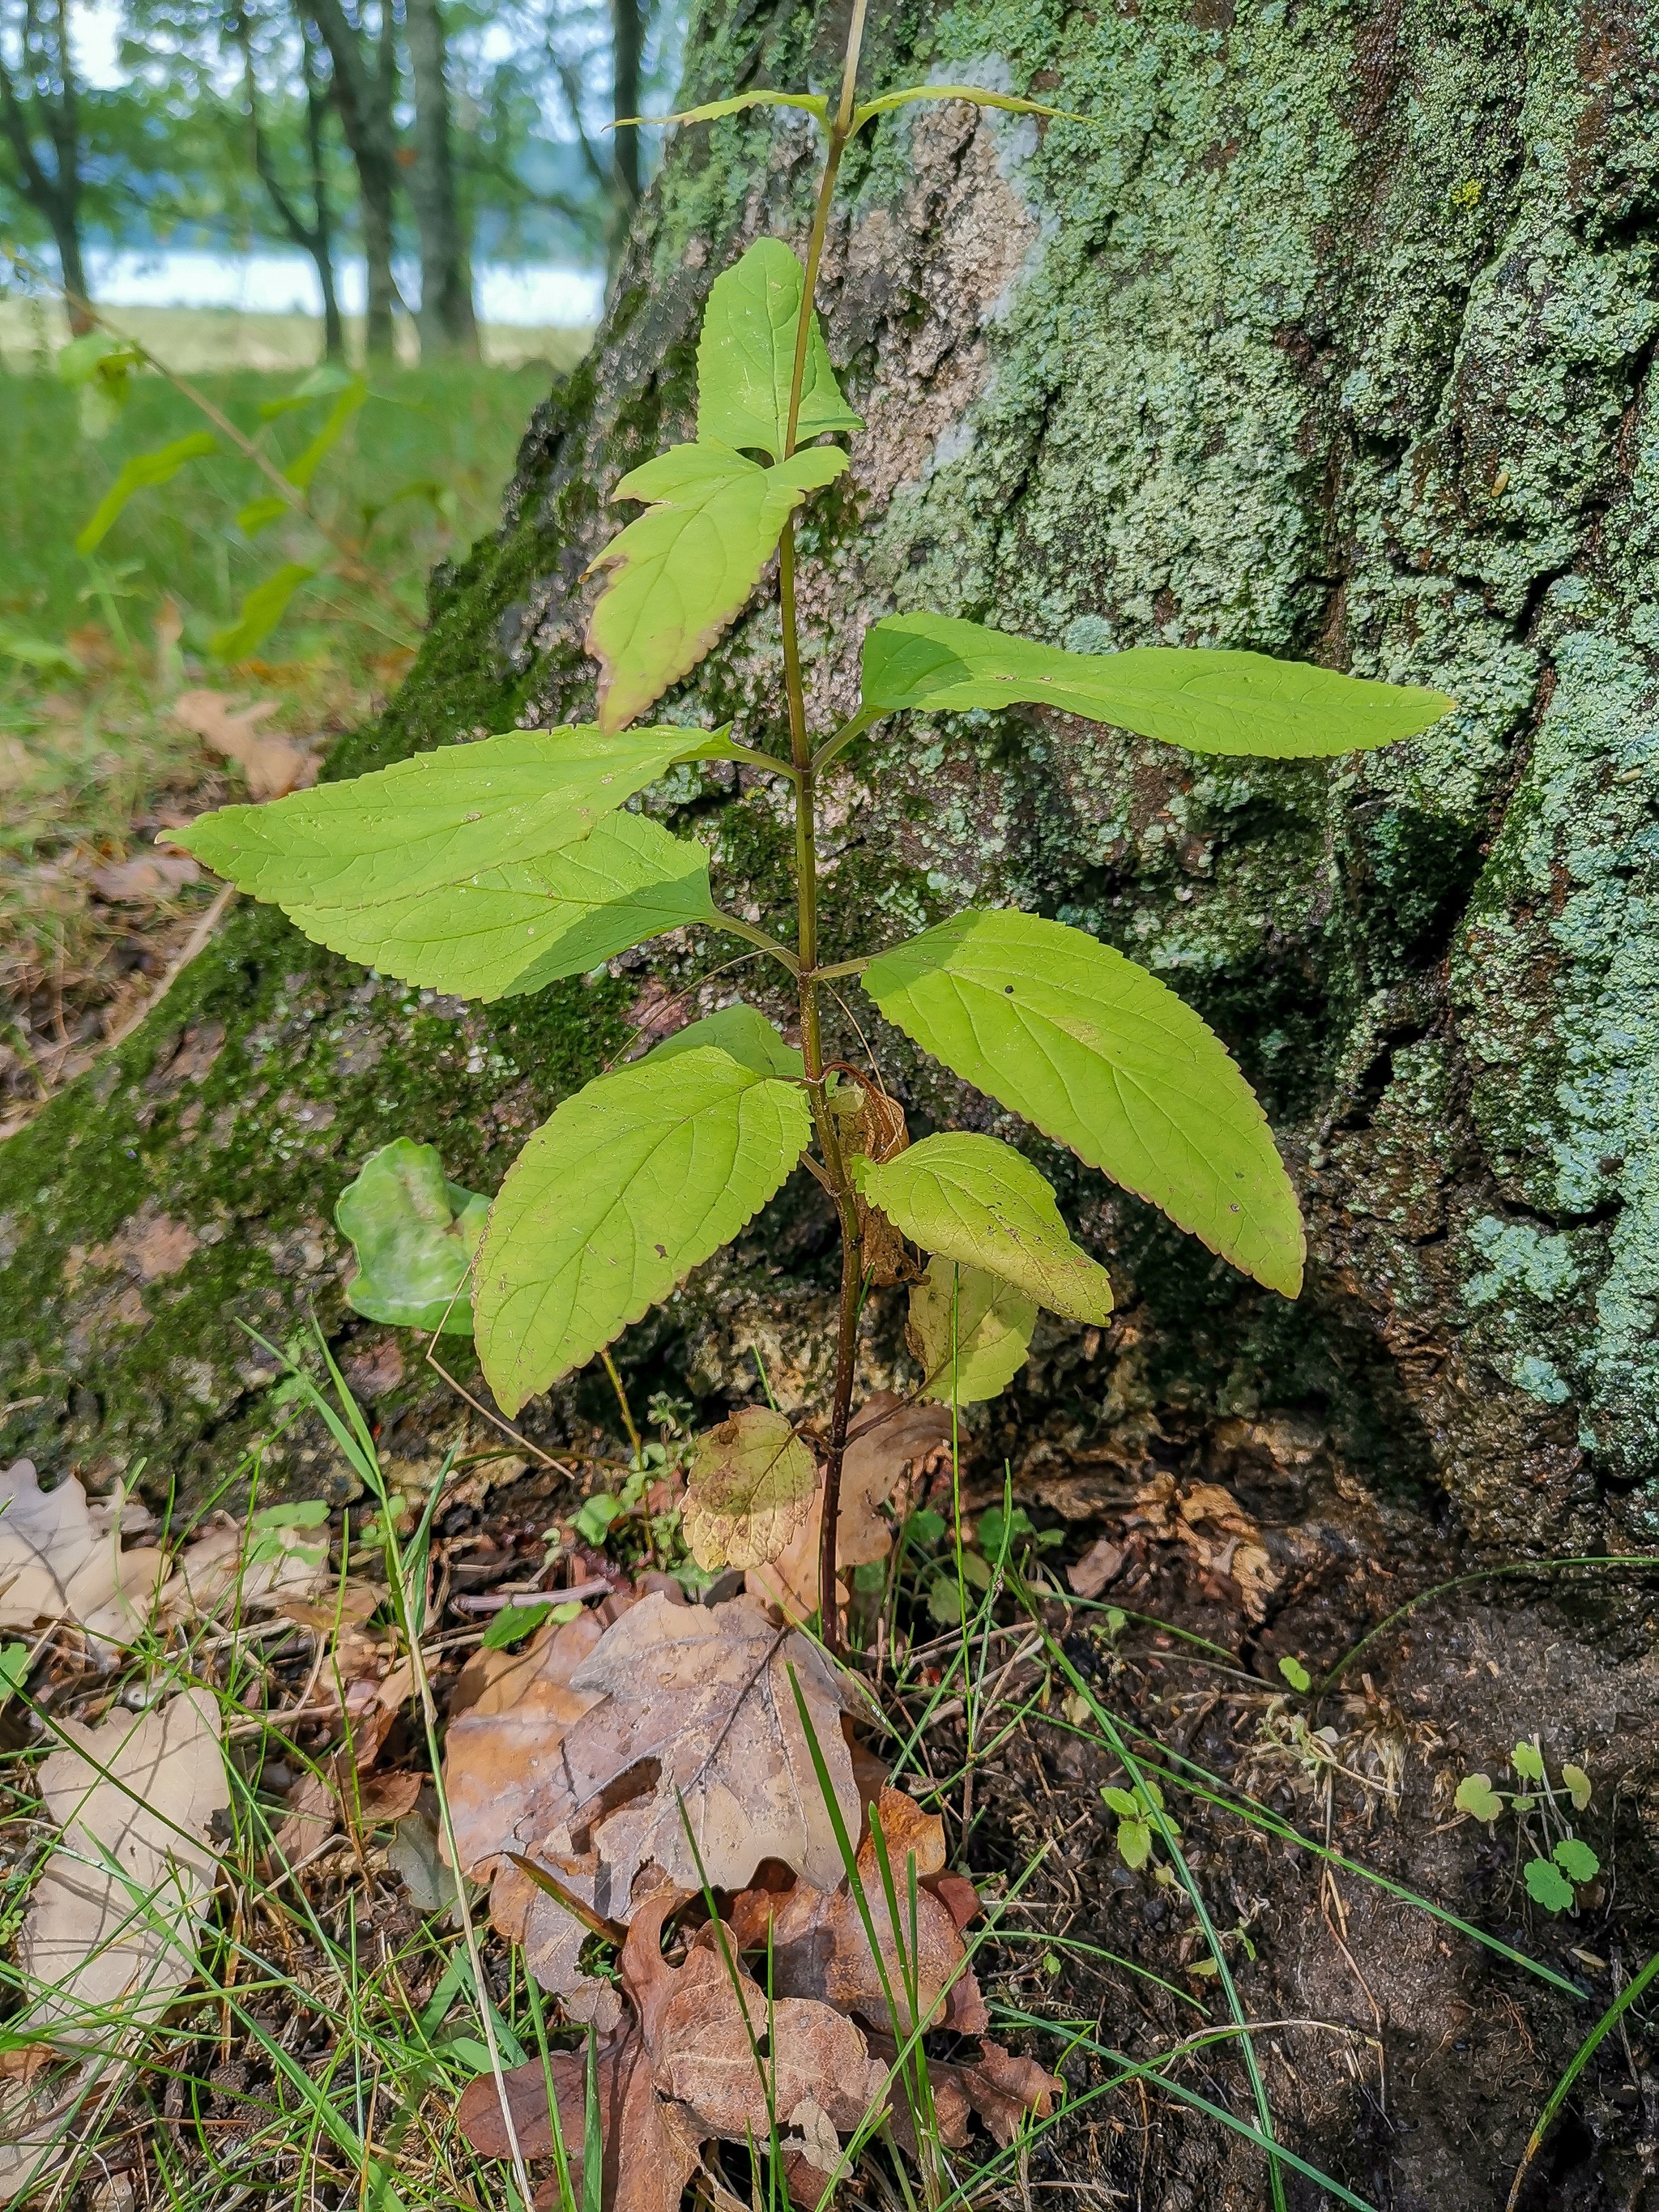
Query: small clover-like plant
{"x": 1562, "y": 1862}
{"x": 488, "y": 869}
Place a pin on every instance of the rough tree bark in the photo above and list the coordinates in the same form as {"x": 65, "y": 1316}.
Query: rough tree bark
{"x": 1332, "y": 337}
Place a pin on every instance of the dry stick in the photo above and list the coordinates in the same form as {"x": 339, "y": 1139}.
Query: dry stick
{"x": 195, "y": 942}
{"x": 291, "y": 492}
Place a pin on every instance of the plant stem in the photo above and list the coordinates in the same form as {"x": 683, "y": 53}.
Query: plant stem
{"x": 806, "y": 880}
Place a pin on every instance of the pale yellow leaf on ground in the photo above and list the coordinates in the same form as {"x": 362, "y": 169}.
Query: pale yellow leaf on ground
{"x": 273, "y": 765}
{"x": 886, "y": 1439}
{"x": 110, "y": 1935}
{"x": 61, "y": 1558}
{"x": 748, "y": 1489}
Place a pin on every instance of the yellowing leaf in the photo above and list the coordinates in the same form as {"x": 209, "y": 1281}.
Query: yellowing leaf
{"x": 1477, "y": 1797}
{"x": 972, "y": 1199}
{"x": 748, "y": 1490}
{"x": 969, "y": 1331}
{"x": 746, "y": 357}
{"x": 629, "y": 1187}
{"x": 686, "y": 568}
{"x": 1102, "y": 1056}
{"x": 813, "y": 103}
{"x": 1577, "y": 1785}
{"x": 109, "y": 1938}
{"x": 974, "y": 95}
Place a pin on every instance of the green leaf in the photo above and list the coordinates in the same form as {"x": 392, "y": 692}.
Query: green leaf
{"x": 593, "y": 1518}
{"x": 97, "y": 354}
{"x": 36, "y": 652}
{"x": 1577, "y": 1783}
{"x": 745, "y": 1034}
{"x": 813, "y": 103}
{"x": 885, "y": 101}
{"x": 142, "y": 473}
{"x": 748, "y": 1490}
{"x": 1527, "y": 1761}
{"x": 1206, "y": 701}
{"x": 746, "y": 357}
{"x": 414, "y": 1235}
{"x": 261, "y": 610}
{"x": 631, "y": 1184}
{"x": 1577, "y": 1860}
{"x": 686, "y": 568}
{"x": 14, "y": 1669}
{"x": 305, "y": 464}
{"x": 516, "y": 1622}
{"x": 1547, "y": 1886}
{"x": 504, "y": 932}
{"x": 1476, "y": 1797}
{"x": 1296, "y": 1674}
{"x": 259, "y": 514}
{"x": 1134, "y": 1844}
{"x": 1103, "y": 1057}
{"x": 439, "y": 819}
{"x": 1119, "y": 1801}
{"x": 321, "y": 383}
{"x": 969, "y": 1331}
{"x": 975, "y": 1199}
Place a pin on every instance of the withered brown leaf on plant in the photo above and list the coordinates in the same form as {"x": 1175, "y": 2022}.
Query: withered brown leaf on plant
{"x": 886, "y": 1438}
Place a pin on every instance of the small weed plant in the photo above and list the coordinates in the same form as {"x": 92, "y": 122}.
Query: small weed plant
{"x": 491, "y": 868}
{"x": 1559, "y": 1863}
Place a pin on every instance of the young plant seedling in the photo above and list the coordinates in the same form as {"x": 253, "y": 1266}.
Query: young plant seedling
{"x": 1565, "y": 1863}
{"x": 489, "y": 869}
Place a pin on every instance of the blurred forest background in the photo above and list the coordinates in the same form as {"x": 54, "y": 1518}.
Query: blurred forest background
{"x": 280, "y": 284}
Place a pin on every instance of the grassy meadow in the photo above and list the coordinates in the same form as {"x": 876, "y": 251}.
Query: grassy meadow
{"x": 96, "y": 650}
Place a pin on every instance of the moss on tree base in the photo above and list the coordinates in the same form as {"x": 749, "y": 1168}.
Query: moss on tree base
{"x": 1332, "y": 337}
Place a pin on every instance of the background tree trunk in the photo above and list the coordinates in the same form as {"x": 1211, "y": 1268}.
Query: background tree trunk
{"x": 1333, "y": 336}
{"x": 446, "y": 320}
{"x": 365, "y": 90}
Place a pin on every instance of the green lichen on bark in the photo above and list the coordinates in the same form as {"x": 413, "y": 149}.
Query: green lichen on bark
{"x": 1330, "y": 335}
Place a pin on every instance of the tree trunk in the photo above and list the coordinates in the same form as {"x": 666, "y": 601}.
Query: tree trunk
{"x": 1331, "y": 336}
{"x": 48, "y": 109}
{"x": 365, "y": 90}
{"x": 627, "y": 39}
{"x": 322, "y": 251}
{"x": 446, "y": 320}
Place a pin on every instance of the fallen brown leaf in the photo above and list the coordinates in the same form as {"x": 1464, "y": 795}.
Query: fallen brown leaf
{"x": 887, "y": 1437}
{"x": 697, "y": 1723}
{"x": 151, "y": 876}
{"x": 274, "y": 766}
{"x": 820, "y": 1948}
{"x": 109, "y": 1938}
{"x": 1212, "y": 1525}
{"x": 684, "y": 2070}
{"x": 61, "y": 1558}
{"x": 1101, "y": 1564}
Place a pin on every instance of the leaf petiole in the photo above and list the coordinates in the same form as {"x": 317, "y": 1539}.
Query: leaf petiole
{"x": 750, "y": 935}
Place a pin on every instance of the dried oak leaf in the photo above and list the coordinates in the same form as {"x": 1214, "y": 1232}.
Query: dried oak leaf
{"x": 274, "y": 766}
{"x": 1001, "y": 2086}
{"x": 821, "y": 1947}
{"x": 109, "y": 1938}
{"x": 697, "y": 1723}
{"x": 886, "y": 1438}
{"x": 61, "y": 1557}
{"x": 684, "y": 2070}
{"x": 748, "y": 1490}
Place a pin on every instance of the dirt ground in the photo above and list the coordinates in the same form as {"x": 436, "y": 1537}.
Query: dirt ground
{"x": 1414, "y": 2064}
